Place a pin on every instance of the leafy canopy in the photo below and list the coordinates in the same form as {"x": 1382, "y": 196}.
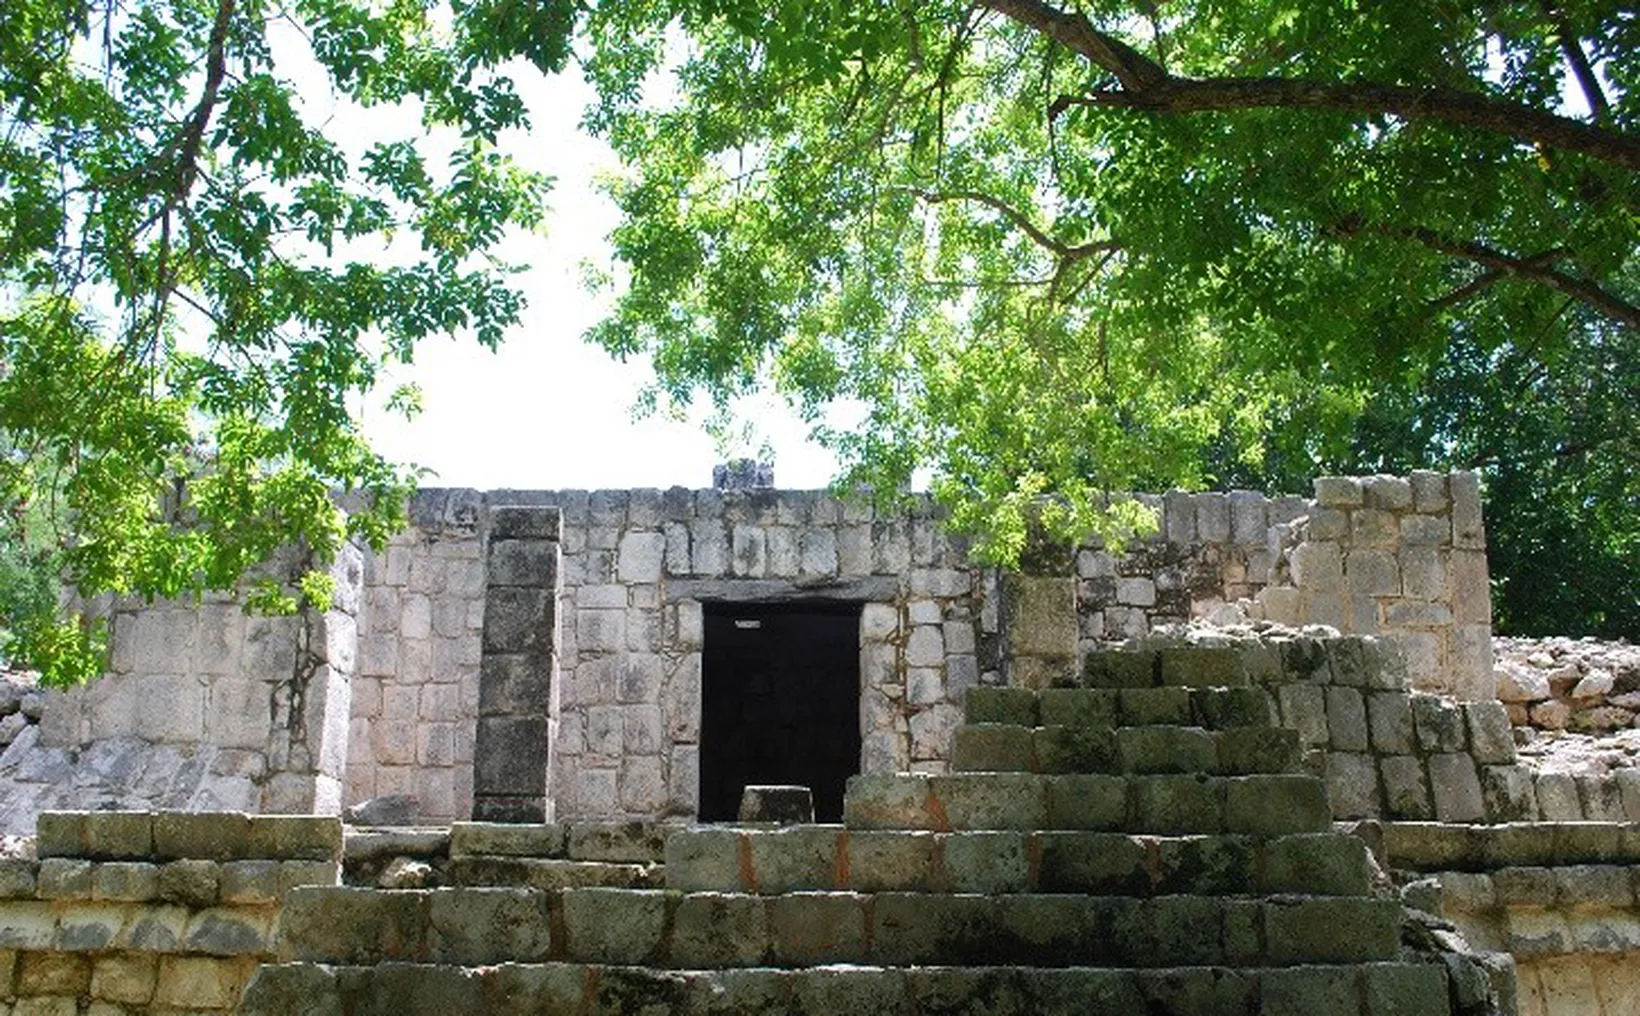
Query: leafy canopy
{"x": 1066, "y": 247}
{"x": 197, "y": 286}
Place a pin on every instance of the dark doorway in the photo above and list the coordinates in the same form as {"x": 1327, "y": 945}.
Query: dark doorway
{"x": 780, "y": 703}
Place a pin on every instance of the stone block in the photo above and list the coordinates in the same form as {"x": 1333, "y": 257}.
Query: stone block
{"x": 154, "y": 929}
{"x": 125, "y": 881}
{"x": 713, "y": 931}
{"x": 1346, "y": 719}
{"x": 1338, "y": 491}
{"x": 990, "y": 863}
{"x": 1423, "y": 573}
{"x": 945, "y": 929}
{"x": 511, "y": 755}
{"x": 1373, "y": 527}
{"x": 1244, "y": 751}
{"x": 1557, "y": 797}
{"x": 521, "y": 522}
{"x": 90, "y": 927}
{"x": 1390, "y": 493}
{"x": 1275, "y": 805}
{"x": 892, "y": 861}
{"x": 1142, "y": 707}
{"x": 642, "y": 557}
{"x": 1165, "y": 750}
{"x": 1321, "y": 864}
{"x": 480, "y": 926}
{"x": 347, "y": 925}
{"x": 1178, "y": 805}
{"x": 127, "y": 979}
{"x": 200, "y": 982}
{"x": 230, "y": 931}
{"x": 1406, "y": 790}
{"x": 519, "y": 620}
{"x": 1091, "y": 802}
{"x": 17, "y": 880}
{"x": 794, "y": 859}
{"x": 27, "y": 924}
{"x": 1456, "y": 787}
{"x": 1439, "y": 723}
{"x": 1304, "y": 709}
{"x": 1352, "y": 785}
{"x": 1097, "y": 863}
{"x": 1332, "y": 930}
{"x": 250, "y": 882}
{"x": 1405, "y": 989}
{"x": 807, "y": 929}
{"x": 1508, "y": 793}
{"x": 64, "y": 878}
{"x": 53, "y": 973}
{"x": 295, "y": 837}
{"x": 500, "y": 839}
{"x": 1230, "y": 708}
{"x": 992, "y": 748}
{"x": 991, "y": 801}
{"x": 1491, "y": 738}
{"x": 1202, "y": 668}
{"x": 1122, "y": 669}
{"x": 617, "y": 842}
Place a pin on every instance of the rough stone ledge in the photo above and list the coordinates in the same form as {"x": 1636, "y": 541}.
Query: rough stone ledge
{"x": 1378, "y": 989}
{"x": 1436, "y": 846}
{"x": 173, "y": 835}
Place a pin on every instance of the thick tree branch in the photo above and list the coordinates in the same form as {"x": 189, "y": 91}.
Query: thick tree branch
{"x": 1537, "y": 268}
{"x": 1147, "y": 87}
{"x": 1065, "y": 251}
{"x": 1579, "y": 62}
{"x": 193, "y": 129}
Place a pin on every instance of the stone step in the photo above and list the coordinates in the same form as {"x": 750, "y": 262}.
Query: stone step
{"x": 1240, "y": 751}
{"x": 552, "y": 873}
{"x": 1212, "y": 708}
{"x": 720, "y": 930}
{"x": 1169, "y": 805}
{"x": 613, "y": 842}
{"x": 1442, "y": 846}
{"x": 827, "y": 858}
{"x": 549, "y": 989}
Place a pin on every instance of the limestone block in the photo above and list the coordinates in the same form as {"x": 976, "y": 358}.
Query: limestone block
{"x": 1213, "y": 518}
{"x": 1406, "y": 791}
{"x": 1456, "y": 787}
{"x": 1318, "y": 567}
{"x": 1331, "y": 930}
{"x": 91, "y": 927}
{"x": 109, "y": 836}
{"x": 1425, "y": 531}
{"x": 712, "y": 931}
{"x": 1491, "y": 738}
{"x": 642, "y": 786}
{"x": 474, "y": 926}
{"x": 708, "y": 548}
{"x": 64, "y": 878}
{"x": 1328, "y": 524}
{"x": 1439, "y": 723}
{"x": 1346, "y": 719}
{"x": 1601, "y": 798}
{"x": 1372, "y": 527}
{"x": 1429, "y": 491}
{"x": 231, "y": 931}
{"x": 890, "y": 548}
{"x": 1372, "y": 573}
{"x": 925, "y": 647}
{"x": 125, "y": 881}
{"x": 519, "y": 620}
{"x": 171, "y": 708}
{"x": 749, "y": 553}
{"x": 1179, "y": 517}
{"x": 1468, "y": 532}
{"x": 199, "y": 982}
{"x": 818, "y": 552}
{"x": 932, "y": 730}
{"x": 128, "y": 979}
{"x": 1304, "y": 709}
{"x": 1391, "y": 493}
{"x": 600, "y": 631}
{"x": 784, "y": 551}
{"x": 1248, "y": 521}
{"x": 1280, "y": 604}
{"x": 613, "y": 925}
{"x": 1352, "y": 785}
{"x": 1042, "y": 616}
{"x": 1390, "y": 722}
{"x": 1417, "y": 614}
{"x": 1338, "y": 491}
{"x": 1136, "y": 592}
{"x": 1425, "y": 655}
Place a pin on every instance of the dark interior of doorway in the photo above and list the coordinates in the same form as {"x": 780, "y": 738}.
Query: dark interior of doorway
{"x": 780, "y": 703}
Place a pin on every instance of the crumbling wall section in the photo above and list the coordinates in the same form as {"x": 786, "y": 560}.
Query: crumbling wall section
{"x": 205, "y": 707}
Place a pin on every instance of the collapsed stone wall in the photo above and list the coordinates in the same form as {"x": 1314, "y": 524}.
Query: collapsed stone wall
{"x": 1401, "y": 556}
{"x": 138, "y": 913}
{"x": 1580, "y": 685}
{"x": 205, "y": 707}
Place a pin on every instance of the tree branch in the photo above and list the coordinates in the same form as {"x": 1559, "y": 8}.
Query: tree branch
{"x": 1537, "y": 268}
{"x": 1148, "y": 87}
{"x": 1579, "y": 62}
{"x": 1068, "y": 252}
{"x": 193, "y": 129}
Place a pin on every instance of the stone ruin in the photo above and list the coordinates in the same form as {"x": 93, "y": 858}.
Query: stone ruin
{"x": 1056, "y": 790}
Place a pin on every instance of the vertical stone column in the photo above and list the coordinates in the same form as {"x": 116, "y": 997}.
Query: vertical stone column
{"x": 517, "y": 688}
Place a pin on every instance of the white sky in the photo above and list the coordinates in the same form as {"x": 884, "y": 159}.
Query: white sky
{"x": 549, "y": 410}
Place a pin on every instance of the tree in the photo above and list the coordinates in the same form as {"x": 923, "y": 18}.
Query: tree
{"x": 197, "y": 284}
{"x": 1078, "y": 246}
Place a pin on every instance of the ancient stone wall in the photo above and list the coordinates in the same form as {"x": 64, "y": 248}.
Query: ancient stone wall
{"x": 205, "y": 707}
{"x": 1402, "y": 556}
{"x": 135, "y": 913}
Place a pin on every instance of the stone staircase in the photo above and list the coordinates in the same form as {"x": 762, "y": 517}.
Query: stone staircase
{"x": 1146, "y": 844}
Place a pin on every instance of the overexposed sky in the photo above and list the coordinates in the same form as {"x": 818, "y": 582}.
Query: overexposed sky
{"x": 548, "y": 410}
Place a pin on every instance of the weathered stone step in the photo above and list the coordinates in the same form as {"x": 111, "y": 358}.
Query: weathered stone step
{"x": 550, "y": 989}
{"x": 1262, "y": 806}
{"x": 719, "y": 930}
{"x": 610, "y": 842}
{"x": 1440, "y": 846}
{"x": 827, "y": 858}
{"x": 1212, "y": 708}
{"x": 1240, "y": 751}
{"x": 552, "y": 873}
{"x": 1350, "y": 660}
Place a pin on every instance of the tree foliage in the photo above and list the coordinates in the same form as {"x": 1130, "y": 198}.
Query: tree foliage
{"x": 1090, "y": 244}
{"x": 198, "y": 284}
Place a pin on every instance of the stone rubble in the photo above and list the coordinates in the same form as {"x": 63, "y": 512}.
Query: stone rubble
{"x": 1585, "y": 685}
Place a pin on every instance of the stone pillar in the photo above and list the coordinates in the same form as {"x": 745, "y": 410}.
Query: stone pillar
{"x": 517, "y": 686}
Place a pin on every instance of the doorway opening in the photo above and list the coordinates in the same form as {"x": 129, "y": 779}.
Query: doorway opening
{"x": 780, "y": 702}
